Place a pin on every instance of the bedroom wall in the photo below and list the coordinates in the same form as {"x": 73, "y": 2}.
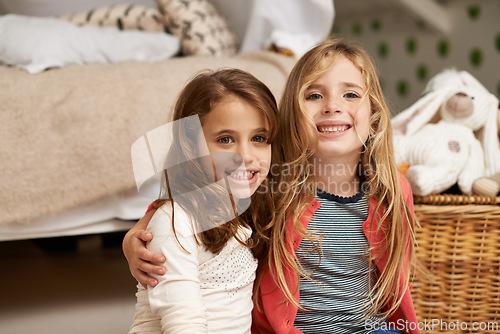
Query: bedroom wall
{"x": 408, "y": 53}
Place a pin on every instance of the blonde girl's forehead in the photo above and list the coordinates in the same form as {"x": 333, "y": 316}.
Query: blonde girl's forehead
{"x": 328, "y": 62}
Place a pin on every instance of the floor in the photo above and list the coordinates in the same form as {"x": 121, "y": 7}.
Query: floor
{"x": 66, "y": 285}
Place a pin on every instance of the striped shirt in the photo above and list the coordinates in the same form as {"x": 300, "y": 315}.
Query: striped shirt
{"x": 340, "y": 287}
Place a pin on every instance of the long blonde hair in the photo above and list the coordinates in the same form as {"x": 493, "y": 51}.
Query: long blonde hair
{"x": 378, "y": 167}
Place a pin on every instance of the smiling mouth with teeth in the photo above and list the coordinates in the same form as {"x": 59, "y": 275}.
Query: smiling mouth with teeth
{"x": 241, "y": 175}
{"x": 333, "y": 128}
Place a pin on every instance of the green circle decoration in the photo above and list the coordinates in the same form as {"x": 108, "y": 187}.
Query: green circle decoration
{"x": 376, "y": 25}
{"x": 422, "y": 72}
{"x": 402, "y": 87}
{"x": 476, "y": 57}
{"x": 411, "y": 45}
{"x": 474, "y": 12}
{"x": 357, "y": 28}
{"x": 421, "y": 24}
{"x": 497, "y": 42}
{"x": 383, "y": 50}
{"x": 443, "y": 48}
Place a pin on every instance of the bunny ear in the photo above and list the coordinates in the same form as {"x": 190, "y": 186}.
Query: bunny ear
{"x": 420, "y": 113}
{"x": 468, "y": 79}
{"x": 488, "y": 135}
{"x": 489, "y": 138}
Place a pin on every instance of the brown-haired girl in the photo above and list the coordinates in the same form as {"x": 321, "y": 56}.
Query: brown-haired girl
{"x": 210, "y": 267}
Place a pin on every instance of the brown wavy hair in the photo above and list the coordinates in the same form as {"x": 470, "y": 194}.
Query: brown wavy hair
{"x": 199, "y": 97}
{"x": 377, "y": 165}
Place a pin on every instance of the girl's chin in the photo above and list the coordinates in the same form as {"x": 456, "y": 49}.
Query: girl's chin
{"x": 332, "y": 150}
{"x": 241, "y": 194}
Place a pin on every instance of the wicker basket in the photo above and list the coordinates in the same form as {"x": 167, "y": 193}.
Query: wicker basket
{"x": 459, "y": 242}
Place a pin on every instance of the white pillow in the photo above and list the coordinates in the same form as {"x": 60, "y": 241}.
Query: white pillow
{"x": 36, "y": 43}
{"x": 60, "y": 7}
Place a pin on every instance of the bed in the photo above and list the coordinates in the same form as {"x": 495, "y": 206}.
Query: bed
{"x": 66, "y": 131}
{"x": 67, "y": 135}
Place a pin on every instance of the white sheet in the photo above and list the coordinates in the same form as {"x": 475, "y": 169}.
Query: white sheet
{"x": 254, "y": 21}
{"x": 110, "y": 214}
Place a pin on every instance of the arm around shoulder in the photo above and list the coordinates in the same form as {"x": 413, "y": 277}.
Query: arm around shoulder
{"x": 140, "y": 260}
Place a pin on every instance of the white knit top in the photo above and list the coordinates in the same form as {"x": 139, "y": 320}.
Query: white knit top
{"x": 201, "y": 292}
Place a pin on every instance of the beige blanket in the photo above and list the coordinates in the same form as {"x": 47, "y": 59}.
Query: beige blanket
{"x": 66, "y": 133}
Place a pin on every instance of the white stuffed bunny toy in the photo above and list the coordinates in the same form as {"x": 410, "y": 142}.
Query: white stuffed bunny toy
{"x": 449, "y": 135}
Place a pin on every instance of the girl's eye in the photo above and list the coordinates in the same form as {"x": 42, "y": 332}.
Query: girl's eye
{"x": 351, "y": 95}
{"x": 259, "y": 139}
{"x": 313, "y": 96}
{"x": 225, "y": 140}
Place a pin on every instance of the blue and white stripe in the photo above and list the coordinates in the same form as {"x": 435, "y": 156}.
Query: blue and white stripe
{"x": 340, "y": 287}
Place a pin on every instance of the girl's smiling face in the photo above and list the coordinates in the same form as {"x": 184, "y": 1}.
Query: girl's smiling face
{"x": 240, "y": 132}
{"x": 336, "y": 104}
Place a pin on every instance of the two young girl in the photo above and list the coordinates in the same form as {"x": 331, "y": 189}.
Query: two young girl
{"x": 338, "y": 253}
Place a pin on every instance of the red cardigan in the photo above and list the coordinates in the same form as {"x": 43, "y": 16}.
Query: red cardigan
{"x": 278, "y": 317}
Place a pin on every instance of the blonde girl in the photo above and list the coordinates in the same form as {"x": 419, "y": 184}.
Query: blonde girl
{"x": 341, "y": 246}
{"x": 210, "y": 267}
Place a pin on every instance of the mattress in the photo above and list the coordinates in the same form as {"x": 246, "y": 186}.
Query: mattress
{"x": 118, "y": 212}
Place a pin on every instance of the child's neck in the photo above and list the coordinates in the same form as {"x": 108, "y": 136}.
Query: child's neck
{"x": 340, "y": 178}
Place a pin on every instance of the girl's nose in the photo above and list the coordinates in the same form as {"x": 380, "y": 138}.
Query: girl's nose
{"x": 331, "y": 106}
{"x": 245, "y": 153}
{"x": 237, "y": 158}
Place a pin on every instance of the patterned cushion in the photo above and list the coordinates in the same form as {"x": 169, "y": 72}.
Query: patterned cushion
{"x": 202, "y": 30}
{"x": 123, "y": 17}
